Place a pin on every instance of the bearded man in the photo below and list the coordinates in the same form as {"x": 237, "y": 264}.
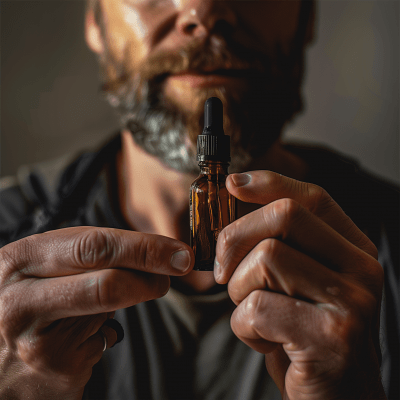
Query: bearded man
{"x": 292, "y": 308}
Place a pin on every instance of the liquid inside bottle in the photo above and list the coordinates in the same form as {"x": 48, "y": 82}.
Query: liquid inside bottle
{"x": 212, "y": 208}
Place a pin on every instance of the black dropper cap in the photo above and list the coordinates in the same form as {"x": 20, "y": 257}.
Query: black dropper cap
{"x": 213, "y": 144}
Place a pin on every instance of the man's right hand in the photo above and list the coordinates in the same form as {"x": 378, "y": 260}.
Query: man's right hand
{"x": 56, "y": 291}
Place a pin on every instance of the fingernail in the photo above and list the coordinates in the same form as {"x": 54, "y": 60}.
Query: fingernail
{"x": 241, "y": 179}
{"x": 180, "y": 260}
{"x": 217, "y": 270}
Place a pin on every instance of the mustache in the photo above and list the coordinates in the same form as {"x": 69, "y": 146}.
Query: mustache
{"x": 214, "y": 54}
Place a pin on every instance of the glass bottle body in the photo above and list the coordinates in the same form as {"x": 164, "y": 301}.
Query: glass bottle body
{"x": 212, "y": 208}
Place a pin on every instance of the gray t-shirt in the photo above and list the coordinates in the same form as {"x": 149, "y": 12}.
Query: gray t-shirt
{"x": 181, "y": 347}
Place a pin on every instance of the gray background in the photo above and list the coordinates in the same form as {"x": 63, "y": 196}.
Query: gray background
{"x": 50, "y": 101}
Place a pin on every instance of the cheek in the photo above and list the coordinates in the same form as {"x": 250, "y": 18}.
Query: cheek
{"x": 270, "y": 22}
{"x": 125, "y": 33}
{"x": 134, "y": 22}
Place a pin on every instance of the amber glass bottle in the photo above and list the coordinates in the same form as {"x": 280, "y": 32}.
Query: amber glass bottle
{"x": 212, "y": 207}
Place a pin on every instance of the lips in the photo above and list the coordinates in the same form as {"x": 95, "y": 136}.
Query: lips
{"x": 216, "y": 77}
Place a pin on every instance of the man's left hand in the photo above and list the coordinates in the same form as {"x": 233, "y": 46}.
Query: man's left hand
{"x": 307, "y": 285}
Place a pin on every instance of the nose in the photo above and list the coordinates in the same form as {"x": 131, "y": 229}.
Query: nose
{"x": 199, "y": 18}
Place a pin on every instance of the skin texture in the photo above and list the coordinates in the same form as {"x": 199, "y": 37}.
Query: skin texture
{"x": 56, "y": 291}
{"x": 307, "y": 285}
{"x": 161, "y": 60}
{"x": 305, "y": 279}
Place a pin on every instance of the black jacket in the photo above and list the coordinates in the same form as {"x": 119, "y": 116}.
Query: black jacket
{"x": 81, "y": 190}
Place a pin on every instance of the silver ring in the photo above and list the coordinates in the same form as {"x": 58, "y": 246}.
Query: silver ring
{"x": 104, "y": 339}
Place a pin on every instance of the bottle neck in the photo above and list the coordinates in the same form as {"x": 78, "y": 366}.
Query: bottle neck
{"x": 213, "y": 167}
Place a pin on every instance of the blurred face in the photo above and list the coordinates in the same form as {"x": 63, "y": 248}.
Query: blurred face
{"x": 163, "y": 58}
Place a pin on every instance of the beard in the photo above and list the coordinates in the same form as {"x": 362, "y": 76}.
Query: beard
{"x": 253, "y": 117}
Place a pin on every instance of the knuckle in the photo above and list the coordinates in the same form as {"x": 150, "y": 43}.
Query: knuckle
{"x": 227, "y": 238}
{"x": 233, "y": 244}
{"x": 286, "y": 212}
{"x": 8, "y": 264}
{"x": 359, "y": 239}
{"x": 253, "y": 307}
{"x": 143, "y": 252}
{"x": 268, "y": 255}
{"x": 270, "y": 250}
{"x": 339, "y": 329}
{"x": 44, "y": 358}
{"x": 95, "y": 247}
{"x": 272, "y": 179}
{"x": 345, "y": 326}
{"x": 13, "y": 259}
{"x": 320, "y": 202}
{"x": 31, "y": 351}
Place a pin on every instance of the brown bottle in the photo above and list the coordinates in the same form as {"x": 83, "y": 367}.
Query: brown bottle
{"x": 212, "y": 207}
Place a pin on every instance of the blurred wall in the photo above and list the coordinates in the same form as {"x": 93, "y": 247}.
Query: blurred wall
{"x": 50, "y": 100}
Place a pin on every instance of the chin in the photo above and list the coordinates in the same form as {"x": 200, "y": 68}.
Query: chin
{"x": 167, "y": 127}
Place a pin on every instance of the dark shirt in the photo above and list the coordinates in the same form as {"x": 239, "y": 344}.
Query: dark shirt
{"x": 181, "y": 347}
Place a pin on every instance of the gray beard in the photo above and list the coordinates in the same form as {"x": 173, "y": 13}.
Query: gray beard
{"x": 254, "y": 120}
{"x": 161, "y": 130}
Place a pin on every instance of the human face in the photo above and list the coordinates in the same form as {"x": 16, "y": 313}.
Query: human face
{"x": 164, "y": 58}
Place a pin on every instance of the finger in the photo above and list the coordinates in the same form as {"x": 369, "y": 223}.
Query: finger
{"x": 309, "y": 334}
{"x": 79, "y": 249}
{"x": 93, "y": 348}
{"x": 56, "y": 347}
{"x": 277, "y": 363}
{"x": 90, "y": 293}
{"x": 275, "y": 266}
{"x": 264, "y": 187}
{"x": 275, "y": 318}
{"x": 108, "y": 335}
{"x": 288, "y": 220}
{"x": 117, "y": 328}
{"x": 111, "y": 332}
{"x": 77, "y": 330}
{"x": 317, "y": 332}
{"x": 73, "y": 331}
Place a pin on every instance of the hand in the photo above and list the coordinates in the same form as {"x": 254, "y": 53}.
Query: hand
{"x": 307, "y": 285}
{"x": 56, "y": 291}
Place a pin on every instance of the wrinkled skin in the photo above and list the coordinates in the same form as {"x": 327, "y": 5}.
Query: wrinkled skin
{"x": 307, "y": 285}
{"x": 57, "y": 289}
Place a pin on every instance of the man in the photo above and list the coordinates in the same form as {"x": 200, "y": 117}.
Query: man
{"x": 105, "y": 234}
